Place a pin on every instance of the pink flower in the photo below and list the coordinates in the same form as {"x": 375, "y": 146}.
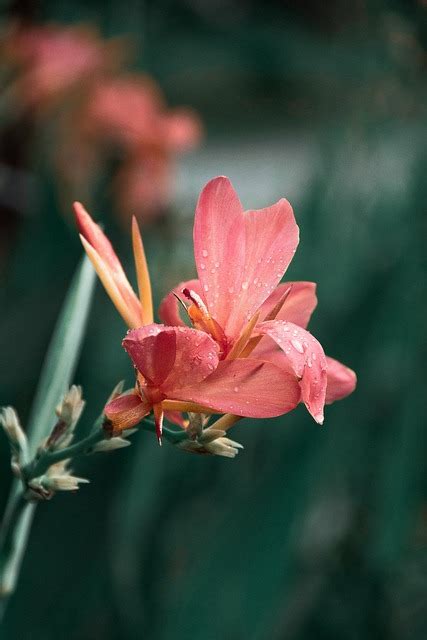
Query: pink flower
{"x": 179, "y": 369}
{"x": 241, "y": 257}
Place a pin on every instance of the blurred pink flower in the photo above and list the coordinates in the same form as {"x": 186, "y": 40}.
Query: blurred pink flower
{"x": 241, "y": 257}
{"x": 130, "y": 114}
{"x": 53, "y": 59}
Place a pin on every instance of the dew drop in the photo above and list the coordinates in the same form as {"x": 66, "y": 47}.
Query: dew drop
{"x": 206, "y": 287}
{"x": 297, "y": 345}
{"x": 205, "y": 253}
{"x": 202, "y": 266}
{"x": 217, "y": 264}
{"x": 245, "y": 285}
{"x": 236, "y": 389}
{"x": 230, "y": 289}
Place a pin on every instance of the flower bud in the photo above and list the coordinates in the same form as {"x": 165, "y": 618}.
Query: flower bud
{"x": 60, "y": 482}
{"x": 71, "y": 406}
{"x": 110, "y": 444}
{"x": 11, "y": 425}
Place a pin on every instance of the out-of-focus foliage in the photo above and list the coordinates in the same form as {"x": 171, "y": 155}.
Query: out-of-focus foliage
{"x": 310, "y": 532}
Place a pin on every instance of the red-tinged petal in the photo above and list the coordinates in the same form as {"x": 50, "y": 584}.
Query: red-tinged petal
{"x": 99, "y": 241}
{"x": 169, "y": 306}
{"x": 341, "y": 381}
{"x": 272, "y": 237}
{"x": 158, "y": 419}
{"x": 172, "y": 357}
{"x": 219, "y": 246}
{"x": 298, "y": 306}
{"x": 153, "y": 352}
{"x": 126, "y": 411}
{"x": 96, "y": 237}
{"x": 245, "y": 387}
{"x": 304, "y": 355}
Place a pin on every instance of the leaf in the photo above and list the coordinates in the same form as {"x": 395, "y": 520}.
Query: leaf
{"x": 62, "y": 356}
{"x": 55, "y": 378}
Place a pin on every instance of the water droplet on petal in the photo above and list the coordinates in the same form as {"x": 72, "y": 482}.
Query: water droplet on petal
{"x": 245, "y": 285}
{"x": 206, "y": 287}
{"x": 236, "y": 389}
{"x": 202, "y": 265}
{"x": 205, "y": 253}
{"x": 297, "y": 345}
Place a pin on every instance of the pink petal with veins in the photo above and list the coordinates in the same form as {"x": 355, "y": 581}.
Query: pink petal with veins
{"x": 219, "y": 246}
{"x": 298, "y": 306}
{"x": 246, "y": 387}
{"x": 171, "y": 357}
{"x": 305, "y": 357}
{"x": 240, "y": 256}
{"x": 341, "y": 381}
{"x": 170, "y": 307}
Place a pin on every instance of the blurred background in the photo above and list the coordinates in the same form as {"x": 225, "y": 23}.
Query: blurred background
{"x": 132, "y": 107}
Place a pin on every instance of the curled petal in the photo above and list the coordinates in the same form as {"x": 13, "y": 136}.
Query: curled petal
{"x": 169, "y": 306}
{"x": 341, "y": 381}
{"x": 298, "y": 306}
{"x": 245, "y": 387}
{"x": 125, "y": 411}
{"x": 304, "y": 356}
{"x": 171, "y": 357}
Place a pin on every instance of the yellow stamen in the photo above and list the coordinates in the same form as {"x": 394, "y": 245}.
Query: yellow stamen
{"x": 178, "y": 405}
{"x": 243, "y": 339}
{"x": 225, "y": 422}
{"x": 110, "y": 286}
{"x": 142, "y": 274}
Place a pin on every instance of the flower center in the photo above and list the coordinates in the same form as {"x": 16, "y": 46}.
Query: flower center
{"x": 202, "y": 320}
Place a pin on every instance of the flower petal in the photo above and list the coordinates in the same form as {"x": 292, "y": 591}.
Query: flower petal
{"x": 126, "y": 411}
{"x": 240, "y": 256}
{"x": 94, "y": 235}
{"x": 171, "y": 357}
{"x": 341, "y": 381}
{"x": 169, "y": 306}
{"x": 153, "y": 352}
{"x": 219, "y": 246}
{"x": 246, "y": 387}
{"x": 304, "y": 356}
{"x": 298, "y": 306}
{"x": 272, "y": 237}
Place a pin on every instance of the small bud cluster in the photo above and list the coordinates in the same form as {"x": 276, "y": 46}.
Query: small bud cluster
{"x": 208, "y": 440}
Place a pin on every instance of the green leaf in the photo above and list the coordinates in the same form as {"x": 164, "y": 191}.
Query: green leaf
{"x": 63, "y": 354}
{"x": 55, "y": 378}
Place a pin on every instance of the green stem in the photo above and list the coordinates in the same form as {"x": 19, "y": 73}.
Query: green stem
{"x": 42, "y": 463}
{"x": 16, "y": 525}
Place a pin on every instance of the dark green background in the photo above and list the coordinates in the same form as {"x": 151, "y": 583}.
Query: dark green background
{"x": 311, "y": 533}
